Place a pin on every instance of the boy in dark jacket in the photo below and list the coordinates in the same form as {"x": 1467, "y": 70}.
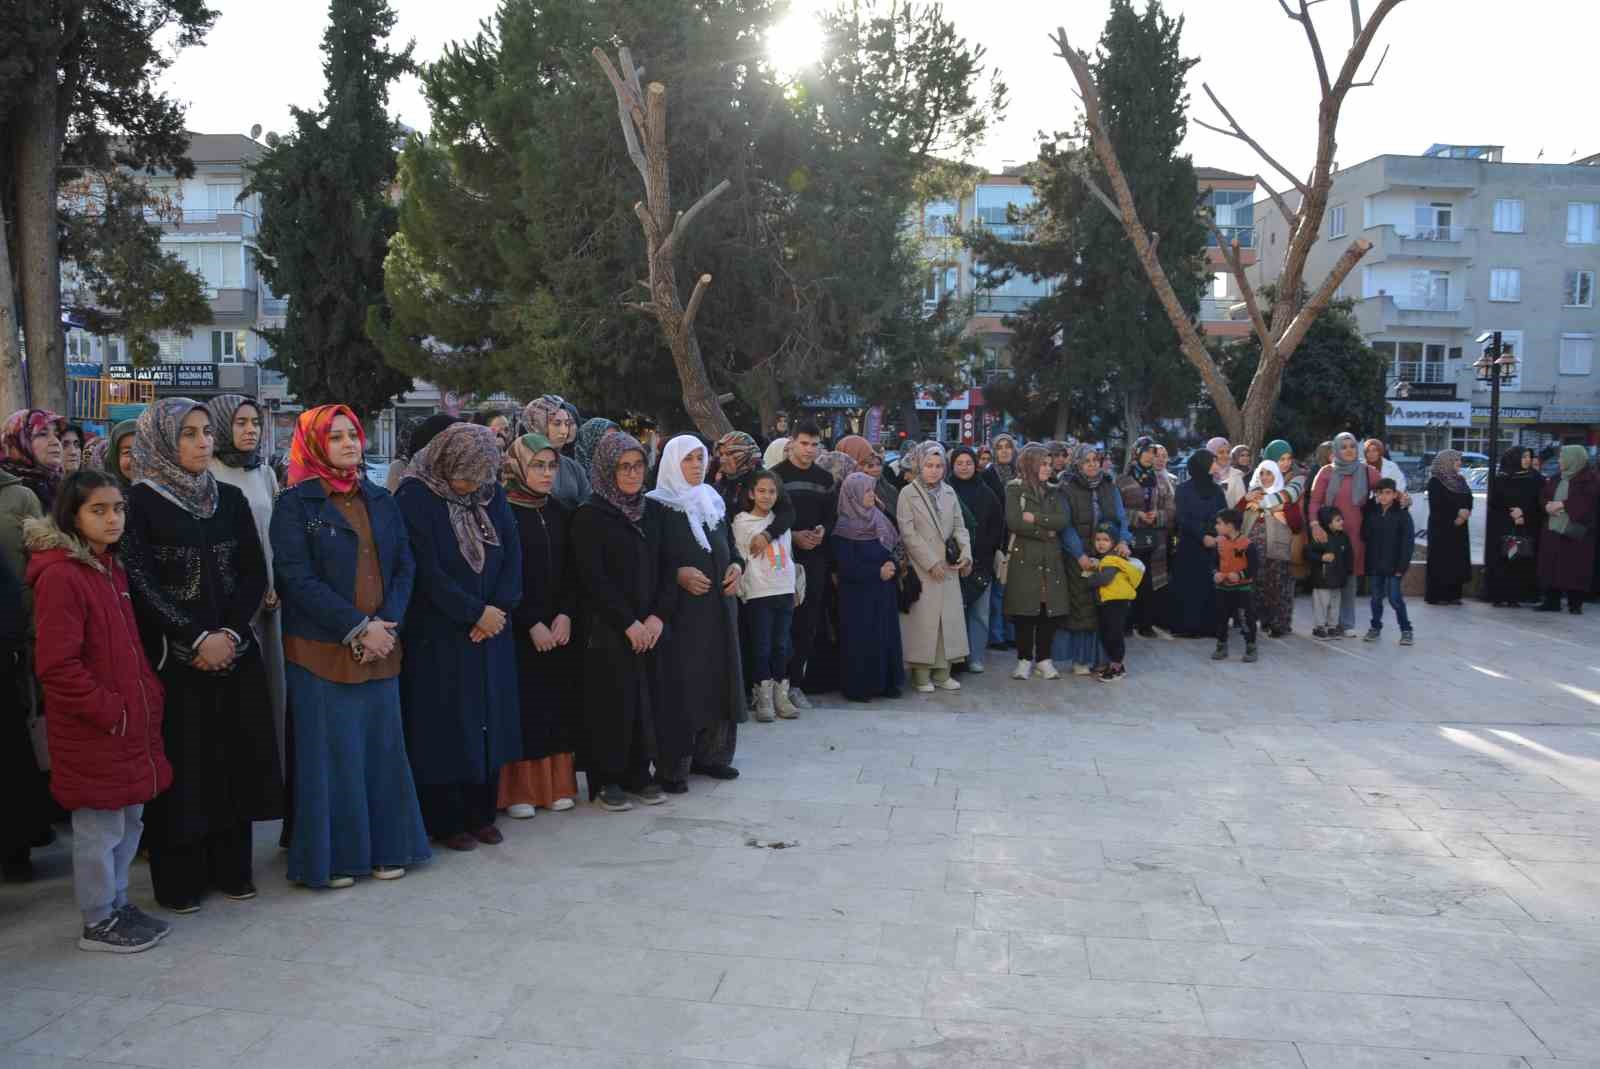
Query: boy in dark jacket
{"x": 1238, "y": 560}
{"x": 1390, "y": 537}
{"x": 1331, "y": 562}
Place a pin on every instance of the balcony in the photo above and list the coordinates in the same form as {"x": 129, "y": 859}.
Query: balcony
{"x": 1222, "y": 309}
{"x": 205, "y": 221}
{"x": 232, "y": 305}
{"x": 1005, "y": 231}
{"x": 1390, "y": 242}
{"x": 1003, "y": 303}
{"x": 1375, "y": 315}
{"x": 1244, "y": 235}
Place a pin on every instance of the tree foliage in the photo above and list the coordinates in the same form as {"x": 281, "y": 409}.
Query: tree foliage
{"x": 519, "y": 251}
{"x": 328, "y": 219}
{"x": 1099, "y": 353}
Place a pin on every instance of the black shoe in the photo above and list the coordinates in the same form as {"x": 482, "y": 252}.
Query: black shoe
{"x": 184, "y": 905}
{"x": 1576, "y": 610}
{"x": 715, "y": 771}
{"x": 895, "y": 691}
{"x": 1249, "y": 653}
{"x": 1547, "y": 607}
{"x": 17, "y": 869}
{"x": 649, "y": 794}
{"x": 612, "y": 798}
{"x": 675, "y": 786}
{"x": 1220, "y": 653}
{"x": 1147, "y": 632}
{"x": 243, "y": 893}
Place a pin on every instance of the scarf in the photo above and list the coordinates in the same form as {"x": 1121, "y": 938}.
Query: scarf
{"x": 308, "y": 449}
{"x": 608, "y": 453}
{"x": 463, "y": 451}
{"x": 1200, "y": 464}
{"x": 856, "y": 448}
{"x": 1006, "y": 472}
{"x": 155, "y": 458}
{"x": 590, "y": 436}
{"x": 1447, "y": 469}
{"x": 1080, "y": 456}
{"x": 744, "y": 453}
{"x": 1272, "y": 496}
{"x": 1574, "y": 460}
{"x": 859, "y": 523}
{"x": 1511, "y": 464}
{"x": 519, "y": 464}
{"x": 836, "y": 464}
{"x": 1145, "y": 478}
{"x": 921, "y": 452}
{"x": 16, "y": 443}
{"x": 1354, "y": 470}
{"x": 1238, "y": 457}
{"x": 777, "y": 452}
{"x": 222, "y": 409}
{"x": 970, "y": 491}
{"x": 536, "y": 413}
{"x": 702, "y": 505}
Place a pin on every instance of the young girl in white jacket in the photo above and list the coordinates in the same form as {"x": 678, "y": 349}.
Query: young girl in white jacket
{"x": 767, "y": 596}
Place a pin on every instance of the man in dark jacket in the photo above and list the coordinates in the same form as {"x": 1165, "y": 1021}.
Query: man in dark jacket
{"x": 1390, "y": 537}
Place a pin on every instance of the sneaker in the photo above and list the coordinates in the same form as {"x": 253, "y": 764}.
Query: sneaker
{"x": 1081, "y": 670}
{"x": 1319, "y": 632}
{"x": 1162, "y": 633}
{"x": 1147, "y": 632}
{"x": 112, "y": 936}
{"x": 134, "y": 916}
{"x": 1023, "y": 670}
{"x": 1250, "y": 653}
{"x": 521, "y": 811}
{"x": 1108, "y": 674}
{"x": 186, "y": 905}
{"x": 1372, "y": 634}
{"x": 783, "y": 700}
{"x": 764, "y": 712}
{"x": 1220, "y": 653}
{"x": 561, "y": 805}
{"x": 948, "y": 684}
{"x": 1406, "y": 639}
{"x": 243, "y": 893}
{"x": 649, "y": 794}
{"x": 613, "y": 799}
{"x": 387, "y": 872}
{"x": 975, "y": 669}
{"x": 798, "y": 698}
{"x": 923, "y": 688}
{"x": 1047, "y": 670}
{"x": 339, "y": 883}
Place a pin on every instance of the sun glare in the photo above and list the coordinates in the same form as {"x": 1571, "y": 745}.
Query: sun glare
{"x": 796, "y": 42}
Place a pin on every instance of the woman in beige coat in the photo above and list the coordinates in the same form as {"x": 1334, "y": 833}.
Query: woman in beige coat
{"x": 934, "y": 632}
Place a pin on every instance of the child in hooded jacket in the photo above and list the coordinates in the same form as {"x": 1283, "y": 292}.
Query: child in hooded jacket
{"x": 1331, "y": 562}
{"x": 1115, "y": 580}
{"x": 105, "y": 704}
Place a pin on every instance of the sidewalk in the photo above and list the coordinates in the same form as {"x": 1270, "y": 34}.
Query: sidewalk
{"x": 1346, "y": 856}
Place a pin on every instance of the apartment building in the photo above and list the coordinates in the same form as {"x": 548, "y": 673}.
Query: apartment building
{"x": 1465, "y": 243}
{"x": 1232, "y": 200}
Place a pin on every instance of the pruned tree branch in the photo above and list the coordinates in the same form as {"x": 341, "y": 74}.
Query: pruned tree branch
{"x": 1372, "y": 79}
{"x": 1100, "y": 195}
{"x": 1289, "y": 217}
{"x": 1230, "y": 256}
{"x": 1237, "y": 131}
{"x": 629, "y": 109}
{"x": 1355, "y": 19}
{"x": 1310, "y": 27}
{"x": 1297, "y": 327}
{"x": 686, "y": 219}
{"x": 700, "y": 286}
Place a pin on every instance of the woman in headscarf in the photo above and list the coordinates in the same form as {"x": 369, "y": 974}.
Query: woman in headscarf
{"x": 1449, "y": 563}
{"x": 871, "y": 662}
{"x": 1194, "y": 592}
{"x": 30, "y": 441}
{"x": 859, "y": 450}
{"x": 1511, "y": 531}
{"x": 1272, "y": 520}
{"x": 549, "y": 673}
{"x": 114, "y": 453}
{"x": 776, "y": 453}
{"x": 345, "y": 573}
{"x": 198, "y": 574}
{"x": 987, "y": 528}
{"x": 590, "y": 434}
{"x": 1003, "y": 448}
{"x": 1376, "y": 454}
{"x": 1571, "y": 502}
{"x": 1347, "y": 483}
{"x": 416, "y": 441}
{"x": 836, "y": 464}
{"x": 72, "y": 446}
{"x": 934, "y": 631}
{"x": 1036, "y": 580}
{"x": 1091, "y": 498}
{"x": 1230, "y": 478}
{"x": 617, "y": 536}
{"x": 236, "y": 461}
{"x": 702, "y": 676}
{"x": 458, "y": 686}
{"x": 1149, "y": 505}
{"x": 1060, "y": 459}
{"x": 548, "y": 416}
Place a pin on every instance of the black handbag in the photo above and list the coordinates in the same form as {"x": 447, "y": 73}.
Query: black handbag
{"x": 952, "y": 548}
{"x": 1146, "y": 539}
{"x": 1516, "y": 547}
{"x": 907, "y": 584}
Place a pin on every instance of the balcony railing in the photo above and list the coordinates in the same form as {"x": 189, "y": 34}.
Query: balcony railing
{"x": 1428, "y": 303}
{"x": 1006, "y": 231}
{"x": 1419, "y": 371}
{"x": 1005, "y": 303}
{"x": 1432, "y": 233}
{"x": 1219, "y": 309}
{"x": 1244, "y": 235}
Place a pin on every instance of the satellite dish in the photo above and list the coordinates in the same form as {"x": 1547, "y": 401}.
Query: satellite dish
{"x": 272, "y": 139}
{"x": 255, "y": 131}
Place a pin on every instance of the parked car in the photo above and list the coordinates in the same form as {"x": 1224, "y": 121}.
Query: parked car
{"x": 378, "y": 469}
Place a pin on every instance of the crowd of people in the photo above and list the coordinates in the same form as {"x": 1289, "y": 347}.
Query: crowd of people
{"x": 386, "y": 669}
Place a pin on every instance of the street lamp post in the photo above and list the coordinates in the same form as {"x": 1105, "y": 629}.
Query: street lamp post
{"x": 1495, "y": 365}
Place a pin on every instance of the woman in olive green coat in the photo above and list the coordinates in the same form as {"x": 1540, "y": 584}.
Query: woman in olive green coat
{"x": 1036, "y": 578}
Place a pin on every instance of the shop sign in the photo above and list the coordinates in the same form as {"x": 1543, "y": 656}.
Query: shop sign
{"x": 967, "y": 426}
{"x": 926, "y": 403}
{"x": 1509, "y": 415}
{"x": 195, "y": 376}
{"x": 1429, "y": 413}
{"x": 1430, "y": 391}
{"x": 833, "y": 399}
{"x": 1572, "y": 413}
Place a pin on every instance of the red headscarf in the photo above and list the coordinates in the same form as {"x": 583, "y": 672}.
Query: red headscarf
{"x": 308, "y": 451}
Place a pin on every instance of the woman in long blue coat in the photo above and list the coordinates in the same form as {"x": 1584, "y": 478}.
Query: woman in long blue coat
{"x": 1194, "y": 592}
{"x": 871, "y": 661}
{"x": 459, "y": 681}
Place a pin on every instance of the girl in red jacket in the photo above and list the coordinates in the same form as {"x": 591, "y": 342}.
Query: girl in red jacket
{"x": 103, "y": 704}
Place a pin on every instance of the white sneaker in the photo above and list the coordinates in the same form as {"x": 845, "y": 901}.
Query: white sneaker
{"x": 975, "y": 669}
{"x": 1080, "y": 670}
{"x": 948, "y": 684}
{"x": 1162, "y": 633}
{"x": 1023, "y": 670}
{"x": 798, "y": 699}
{"x": 339, "y": 883}
{"x": 391, "y": 872}
{"x": 924, "y": 688}
{"x": 561, "y": 805}
{"x": 521, "y": 811}
{"x": 1047, "y": 670}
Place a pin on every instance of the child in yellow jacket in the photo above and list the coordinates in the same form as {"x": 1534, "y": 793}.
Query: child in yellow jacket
{"x": 1116, "y": 581}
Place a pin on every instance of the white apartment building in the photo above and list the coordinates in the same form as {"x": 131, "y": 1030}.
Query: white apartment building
{"x": 1463, "y": 244}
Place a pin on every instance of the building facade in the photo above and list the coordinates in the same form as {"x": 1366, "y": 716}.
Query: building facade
{"x": 1463, "y": 244}
{"x": 1231, "y": 198}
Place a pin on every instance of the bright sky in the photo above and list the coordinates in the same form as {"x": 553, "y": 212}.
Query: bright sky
{"x": 1459, "y": 71}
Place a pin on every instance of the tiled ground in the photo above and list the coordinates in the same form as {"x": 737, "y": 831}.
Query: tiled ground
{"x": 1344, "y": 857}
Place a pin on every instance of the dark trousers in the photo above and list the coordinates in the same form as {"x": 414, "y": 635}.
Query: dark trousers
{"x": 184, "y": 873}
{"x": 636, "y": 774}
{"x": 1035, "y": 634}
{"x": 1231, "y": 600}
{"x": 770, "y": 622}
{"x": 808, "y": 617}
{"x": 1113, "y": 629}
{"x": 451, "y": 808}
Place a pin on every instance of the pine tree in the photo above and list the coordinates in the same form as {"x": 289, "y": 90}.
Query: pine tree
{"x": 328, "y": 217}
{"x": 1103, "y": 338}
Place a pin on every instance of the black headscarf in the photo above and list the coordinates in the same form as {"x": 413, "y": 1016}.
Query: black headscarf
{"x": 972, "y": 492}
{"x": 1511, "y": 464}
{"x": 1200, "y": 464}
{"x": 425, "y": 432}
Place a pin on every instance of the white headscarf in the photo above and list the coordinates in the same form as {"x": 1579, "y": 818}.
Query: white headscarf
{"x": 1273, "y": 497}
{"x": 702, "y": 504}
{"x": 777, "y": 452}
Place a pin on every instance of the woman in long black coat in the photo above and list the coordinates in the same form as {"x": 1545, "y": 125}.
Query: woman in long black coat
{"x": 616, "y": 536}
{"x": 1194, "y": 592}
{"x": 458, "y": 682}
{"x": 702, "y": 681}
{"x": 197, "y": 575}
{"x": 1449, "y": 548}
{"x": 1514, "y": 511}
{"x": 549, "y": 684}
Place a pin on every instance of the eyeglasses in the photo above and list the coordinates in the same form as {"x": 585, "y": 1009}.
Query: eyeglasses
{"x": 631, "y": 467}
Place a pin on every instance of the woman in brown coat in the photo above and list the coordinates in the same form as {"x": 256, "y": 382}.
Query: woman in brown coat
{"x": 1566, "y": 552}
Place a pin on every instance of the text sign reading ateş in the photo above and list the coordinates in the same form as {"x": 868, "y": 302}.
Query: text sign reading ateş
{"x": 177, "y": 376}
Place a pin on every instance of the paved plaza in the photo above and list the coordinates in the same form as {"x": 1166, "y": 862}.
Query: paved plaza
{"x": 1347, "y": 856}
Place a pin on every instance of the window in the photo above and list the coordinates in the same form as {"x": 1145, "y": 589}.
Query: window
{"x": 1369, "y": 285}
{"x": 170, "y": 346}
{"x": 220, "y": 265}
{"x": 1580, "y": 289}
{"x": 997, "y": 205}
{"x": 1336, "y": 222}
{"x": 228, "y": 346}
{"x": 939, "y": 218}
{"x": 1414, "y": 361}
{"x": 1505, "y": 284}
{"x": 1583, "y": 220}
{"x": 1369, "y": 211}
{"x": 942, "y": 282}
{"x": 1508, "y": 216}
{"x": 113, "y": 350}
{"x": 222, "y": 196}
{"x": 1577, "y": 354}
{"x": 1430, "y": 289}
{"x": 1433, "y": 221}
{"x": 1219, "y": 285}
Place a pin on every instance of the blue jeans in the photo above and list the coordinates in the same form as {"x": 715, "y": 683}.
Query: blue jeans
{"x": 1001, "y": 629}
{"x": 1388, "y": 586}
{"x": 103, "y": 844}
{"x": 978, "y": 628}
{"x": 770, "y": 621}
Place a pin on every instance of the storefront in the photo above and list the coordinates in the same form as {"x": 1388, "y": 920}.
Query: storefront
{"x": 1413, "y": 428}
{"x": 1571, "y": 424}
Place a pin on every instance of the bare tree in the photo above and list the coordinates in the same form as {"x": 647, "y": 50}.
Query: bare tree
{"x": 1281, "y": 330}
{"x": 643, "y": 112}
{"x": 13, "y": 380}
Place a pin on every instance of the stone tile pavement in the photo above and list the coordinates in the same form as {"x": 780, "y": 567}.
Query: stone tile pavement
{"x": 1347, "y": 856}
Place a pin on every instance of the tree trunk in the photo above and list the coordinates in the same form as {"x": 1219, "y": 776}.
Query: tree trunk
{"x": 38, "y": 261}
{"x": 1063, "y": 414}
{"x": 1130, "y": 426}
{"x": 13, "y": 381}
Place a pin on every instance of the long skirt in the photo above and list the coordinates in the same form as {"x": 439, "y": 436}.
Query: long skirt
{"x": 355, "y": 801}
{"x": 1077, "y": 647}
{"x": 1274, "y": 593}
{"x": 537, "y": 781}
